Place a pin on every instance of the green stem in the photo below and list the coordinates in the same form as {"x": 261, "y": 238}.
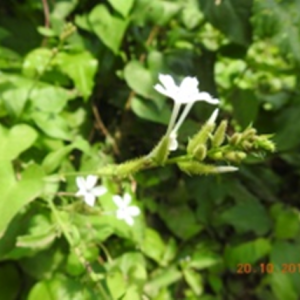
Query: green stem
{"x": 69, "y": 239}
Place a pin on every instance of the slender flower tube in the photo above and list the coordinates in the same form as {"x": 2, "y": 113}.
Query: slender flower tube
{"x": 186, "y": 93}
{"x": 88, "y": 190}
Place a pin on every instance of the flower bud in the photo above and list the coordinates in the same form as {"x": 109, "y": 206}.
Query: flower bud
{"x": 263, "y": 142}
{"x": 247, "y": 145}
{"x": 200, "y": 152}
{"x": 196, "y": 168}
{"x": 249, "y": 133}
{"x": 235, "y": 139}
{"x": 235, "y": 156}
{"x": 218, "y": 155}
{"x": 200, "y": 138}
{"x": 219, "y": 135}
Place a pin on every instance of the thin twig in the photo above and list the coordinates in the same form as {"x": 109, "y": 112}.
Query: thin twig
{"x": 100, "y": 125}
{"x": 46, "y": 13}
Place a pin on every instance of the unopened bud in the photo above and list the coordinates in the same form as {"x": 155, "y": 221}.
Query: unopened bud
{"x": 196, "y": 168}
{"x": 249, "y": 133}
{"x": 235, "y": 156}
{"x": 200, "y": 152}
{"x": 219, "y": 135}
{"x": 235, "y": 139}
{"x": 247, "y": 145}
{"x": 216, "y": 155}
{"x": 263, "y": 142}
{"x": 200, "y": 138}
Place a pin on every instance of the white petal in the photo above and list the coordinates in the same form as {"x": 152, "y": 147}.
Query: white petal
{"x": 189, "y": 85}
{"x": 168, "y": 82}
{"x": 118, "y": 201}
{"x": 91, "y": 181}
{"x": 80, "y": 183}
{"x": 89, "y": 199}
{"x": 127, "y": 199}
{"x": 204, "y": 96}
{"x": 162, "y": 90}
{"x": 129, "y": 220}
{"x": 121, "y": 214}
{"x": 133, "y": 210}
{"x": 99, "y": 190}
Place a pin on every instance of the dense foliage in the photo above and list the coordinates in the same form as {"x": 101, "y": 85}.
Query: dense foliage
{"x": 77, "y": 95}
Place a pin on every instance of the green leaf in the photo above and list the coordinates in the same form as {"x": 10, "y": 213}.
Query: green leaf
{"x": 81, "y": 68}
{"x": 60, "y": 287}
{"x": 248, "y": 216}
{"x": 288, "y": 125}
{"x": 232, "y": 17}
{"x": 287, "y": 224}
{"x": 162, "y": 278}
{"x": 14, "y": 97}
{"x": 16, "y": 140}
{"x": 40, "y": 235}
{"x": 121, "y": 6}
{"x": 203, "y": 258}
{"x": 51, "y": 99}
{"x": 141, "y": 81}
{"x": 180, "y": 220}
{"x": 15, "y": 194}
{"x": 116, "y": 284}
{"x": 53, "y": 160}
{"x": 52, "y": 124}
{"x": 147, "y": 110}
{"x": 109, "y": 28}
{"x": 285, "y": 285}
{"x": 153, "y": 245}
{"x": 249, "y": 252}
{"x": 37, "y": 61}
{"x": 194, "y": 280}
{"x": 245, "y": 107}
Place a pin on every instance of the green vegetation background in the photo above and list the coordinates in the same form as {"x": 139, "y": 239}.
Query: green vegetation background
{"x": 77, "y": 99}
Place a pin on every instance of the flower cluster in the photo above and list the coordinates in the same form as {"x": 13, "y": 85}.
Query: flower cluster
{"x": 89, "y": 192}
{"x": 187, "y": 93}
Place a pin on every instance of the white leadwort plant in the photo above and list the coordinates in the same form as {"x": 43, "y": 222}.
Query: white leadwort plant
{"x": 126, "y": 212}
{"x": 186, "y": 93}
{"x": 88, "y": 190}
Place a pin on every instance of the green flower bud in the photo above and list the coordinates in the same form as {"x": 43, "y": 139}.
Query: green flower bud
{"x": 235, "y": 139}
{"x": 219, "y": 135}
{"x": 218, "y": 155}
{"x": 235, "y": 156}
{"x": 196, "y": 168}
{"x": 200, "y": 152}
{"x": 263, "y": 142}
{"x": 247, "y": 145}
{"x": 249, "y": 133}
{"x": 200, "y": 138}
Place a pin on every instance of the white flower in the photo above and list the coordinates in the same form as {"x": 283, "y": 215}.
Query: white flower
{"x": 186, "y": 93}
{"x": 88, "y": 190}
{"x": 126, "y": 212}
